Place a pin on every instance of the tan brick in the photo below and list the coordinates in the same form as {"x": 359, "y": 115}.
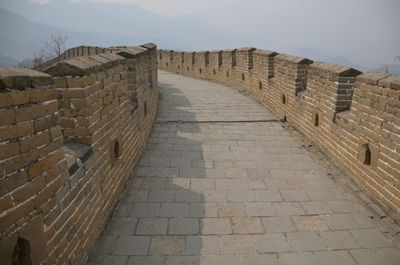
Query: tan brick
{"x": 89, "y": 80}
{"x": 80, "y": 103}
{"x": 34, "y": 141}
{"x": 7, "y": 133}
{"x": 20, "y": 162}
{"x": 8, "y": 150}
{"x": 117, "y": 77}
{"x": 19, "y": 97}
{"x": 45, "y": 164}
{"x": 45, "y": 123}
{"x": 29, "y": 190}
{"x": 16, "y": 131}
{"x": 15, "y": 214}
{"x": 75, "y": 82}
{"x": 5, "y": 100}
{"x": 1, "y": 172}
{"x": 67, "y": 123}
{"x": 24, "y": 129}
{"x": 77, "y": 132}
{"x": 12, "y": 182}
{"x": 30, "y": 113}
{"x": 108, "y": 99}
{"x": 56, "y": 171}
{"x": 52, "y": 106}
{"x": 73, "y": 93}
{"x": 7, "y": 117}
{"x": 108, "y": 81}
{"x": 6, "y": 203}
{"x": 60, "y": 82}
{"x": 55, "y": 132}
{"x": 38, "y": 96}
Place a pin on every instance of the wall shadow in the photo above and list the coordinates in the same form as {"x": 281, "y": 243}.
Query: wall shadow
{"x": 159, "y": 218}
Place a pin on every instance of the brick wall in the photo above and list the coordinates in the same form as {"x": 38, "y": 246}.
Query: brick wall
{"x": 70, "y": 136}
{"x": 352, "y": 117}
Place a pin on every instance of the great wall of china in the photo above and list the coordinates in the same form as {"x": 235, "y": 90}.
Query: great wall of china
{"x": 70, "y": 137}
{"x": 72, "y": 134}
{"x": 353, "y": 117}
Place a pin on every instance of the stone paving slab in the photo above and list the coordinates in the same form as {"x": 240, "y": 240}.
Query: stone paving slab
{"x": 237, "y": 192}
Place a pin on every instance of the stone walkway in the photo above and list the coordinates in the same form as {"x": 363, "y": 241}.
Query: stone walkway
{"x": 244, "y": 192}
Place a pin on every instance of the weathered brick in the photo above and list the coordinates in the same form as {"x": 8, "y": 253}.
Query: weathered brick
{"x": 16, "y": 131}
{"x": 89, "y": 80}
{"x": 45, "y": 164}
{"x": 55, "y": 132}
{"x": 6, "y": 203}
{"x": 15, "y": 214}
{"x": 38, "y": 96}
{"x": 75, "y": 82}
{"x": 108, "y": 99}
{"x": 30, "y": 113}
{"x": 67, "y": 123}
{"x": 1, "y": 173}
{"x": 45, "y": 123}
{"x": 19, "y": 97}
{"x": 29, "y": 190}
{"x": 60, "y": 82}
{"x": 34, "y": 141}
{"x": 20, "y": 162}
{"x": 73, "y": 93}
{"x": 8, "y": 150}
{"x": 5, "y": 100}
{"x": 7, "y": 117}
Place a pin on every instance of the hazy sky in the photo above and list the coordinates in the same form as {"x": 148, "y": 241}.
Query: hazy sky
{"x": 366, "y": 31}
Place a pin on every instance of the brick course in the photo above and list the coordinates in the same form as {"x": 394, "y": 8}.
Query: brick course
{"x": 351, "y": 116}
{"x": 95, "y": 99}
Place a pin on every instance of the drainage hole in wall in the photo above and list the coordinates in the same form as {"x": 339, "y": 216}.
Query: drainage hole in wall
{"x": 316, "y": 120}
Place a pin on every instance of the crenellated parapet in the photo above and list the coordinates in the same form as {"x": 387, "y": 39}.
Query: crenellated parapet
{"x": 352, "y": 117}
{"x": 70, "y": 136}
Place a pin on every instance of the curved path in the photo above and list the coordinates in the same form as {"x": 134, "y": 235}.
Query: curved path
{"x": 222, "y": 182}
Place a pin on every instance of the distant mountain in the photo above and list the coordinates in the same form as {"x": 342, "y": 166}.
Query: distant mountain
{"x": 387, "y": 68}
{"x": 7, "y": 61}
{"x": 106, "y": 24}
{"x": 21, "y": 37}
{"x": 316, "y": 54}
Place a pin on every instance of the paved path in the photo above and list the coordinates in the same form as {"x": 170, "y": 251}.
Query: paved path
{"x": 244, "y": 192}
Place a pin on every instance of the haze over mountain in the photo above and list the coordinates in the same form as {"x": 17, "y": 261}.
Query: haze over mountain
{"x": 286, "y": 26}
{"x": 23, "y": 30}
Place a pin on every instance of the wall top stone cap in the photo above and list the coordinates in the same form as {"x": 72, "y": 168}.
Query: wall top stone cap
{"x": 230, "y": 50}
{"x": 21, "y": 78}
{"x": 247, "y": 49}
{"x": 149, "y": 46}
{"x": 83, "y": 65}
{"x": 215, "y": 51}
{"x": 293, "y": 59}
{"x": 392, "y": 81}
{"x": 336, "y": 69}
{"x": 131, "y": 52}
{"x": 266, "y": 52}
{"x": 371, "y": 78}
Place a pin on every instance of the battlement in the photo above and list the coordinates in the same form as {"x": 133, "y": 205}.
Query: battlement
{"x": 70, "y": 136}
{"x": 352, "y": 117}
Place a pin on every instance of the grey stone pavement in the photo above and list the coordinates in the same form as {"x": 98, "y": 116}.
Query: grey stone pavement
{"x": 245, "y": 192}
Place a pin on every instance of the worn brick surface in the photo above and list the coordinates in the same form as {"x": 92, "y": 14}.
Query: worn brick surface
{"x": 274, "y": 204}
